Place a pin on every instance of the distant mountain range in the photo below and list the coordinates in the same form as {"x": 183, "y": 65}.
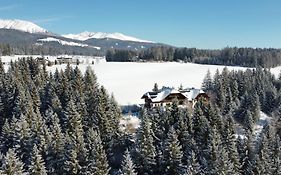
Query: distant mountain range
{"x": 20, "y": 33}
{"x": 99, "y": 35}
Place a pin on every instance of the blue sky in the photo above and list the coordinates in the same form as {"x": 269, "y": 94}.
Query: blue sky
{"x": 191, "y": 23}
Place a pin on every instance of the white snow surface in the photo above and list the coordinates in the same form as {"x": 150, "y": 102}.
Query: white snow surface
{"x": 100, "y": 35}
{"x": 129, "y": 122}
{"x": 21, "y": 25}
{"x": 264, "y": 119}
{"x": 258, "y": 127}
{"x": 82, "y": 58}
{"x": 128, "y": 81}
{"x": 62, "y": 42}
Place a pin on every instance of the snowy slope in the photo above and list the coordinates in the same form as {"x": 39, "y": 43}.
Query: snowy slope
{"x": 21, "y": 25}
{"x": 99, "y": 35}
{"x": 62, "y": 42}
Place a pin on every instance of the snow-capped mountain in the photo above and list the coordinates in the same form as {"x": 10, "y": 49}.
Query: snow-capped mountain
{"x": 99, "y": 35}
{"x": 24, "y": 34}
{"x": 21, "y": 25}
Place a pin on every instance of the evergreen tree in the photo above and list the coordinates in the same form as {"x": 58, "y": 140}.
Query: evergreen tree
{"x": 11, "y": 164}
{"x": 248, "y": 121}
{"x": 128, "y": 167}
{"x": 207, "y": 84}
{"x": 247, "y": 156}
{"x": 155, "y": 87}
{"x": 173, "y": 154}
{"x": 230, "y": 143}
{"x": 37, "y": 166}
{"x": 97, "y": 164}
{"x": 75, "y": 131}
{"x": 55, "y": 153}
{"x": 146, "y": 147}
{"x": 71, "y": 165}
{"x": 193, "y": 167}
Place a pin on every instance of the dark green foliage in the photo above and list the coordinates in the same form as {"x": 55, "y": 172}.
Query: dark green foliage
{"x": 11, "y": 165}
{"x": 65, "y": 123}
{"x": 173, "y": 154}
{"x": 207, "y": 84}
{"x": 146, "y": 148}
{"x": 98, "y": 164}
{"x": 128, "y": 167}
{"x": 231, "y": 56}
{"x": 37, "y": 164}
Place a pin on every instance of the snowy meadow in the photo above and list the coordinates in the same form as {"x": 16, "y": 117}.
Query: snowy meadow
{"x": 128, "y": 81}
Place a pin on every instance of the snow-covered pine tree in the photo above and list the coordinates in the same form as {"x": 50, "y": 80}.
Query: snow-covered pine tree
{"x": 97, "y": 161}
{"x": 173, "y": 154}
{"x": 75, "y": 131}
{"x": 127, "y": 166}
{"x": 207, "y": 84}
{"x": 145, "y": 147}
{"x": 193, "y": 167}
{"x": 55, "y": 152}
{"x": 229, "y": 141}
{"x": 37, "y": 166}
{"x": 247, "y": 156}
{"x": 11, "y": 164}
{"x": 71, "y": 164}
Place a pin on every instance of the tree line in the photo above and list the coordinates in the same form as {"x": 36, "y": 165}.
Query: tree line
{"x": 66, "y": 123}
{"x": 231, "y": 56}
{"x": 56, "y": 49}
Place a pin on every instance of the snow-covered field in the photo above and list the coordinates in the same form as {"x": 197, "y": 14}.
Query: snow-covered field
{"x": 129, "y": 81}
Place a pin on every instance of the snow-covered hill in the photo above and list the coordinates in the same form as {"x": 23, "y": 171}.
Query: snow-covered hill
{"x": 62, "y": 42}
{"x": 21, "y": 25}
{"x": 99, "y": 35}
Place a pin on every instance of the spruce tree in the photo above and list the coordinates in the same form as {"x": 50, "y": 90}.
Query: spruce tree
{"x": 173, "y": 154}
{"x": 155, "y": 87}
{"x": 145, "y": 146}
{"x": 98, "y": 164}
{"x": 229, "y": 141}
{"x": 75, "y": 131}
{"x": 127, "y": 166}
{"x": 193, "y": 167}
{"x": 71, "y": 164}
{"x": 37, "y": 166}
{"x": 55, "y": 153}
{"x": 247, "y": 156}
{"x": 207, "y": 84}
{"x": 11, "y": 164}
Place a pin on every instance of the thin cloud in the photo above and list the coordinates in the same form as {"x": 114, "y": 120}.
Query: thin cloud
{"x": 50, "y": 19}
{"x": 47, "y": 20}
{"x": 8, "y": 7}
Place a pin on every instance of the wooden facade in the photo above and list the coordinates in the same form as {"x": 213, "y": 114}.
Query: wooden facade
{"x": 165, "y": 97}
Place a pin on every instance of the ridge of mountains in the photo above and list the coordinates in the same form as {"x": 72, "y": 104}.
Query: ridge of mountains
{"x": 27, "y": 37}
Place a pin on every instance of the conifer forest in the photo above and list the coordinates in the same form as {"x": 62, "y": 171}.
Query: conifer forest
{"x": 65, "y": 123}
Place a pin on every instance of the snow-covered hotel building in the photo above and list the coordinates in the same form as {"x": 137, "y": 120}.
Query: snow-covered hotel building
{"x": 165, "y": 96}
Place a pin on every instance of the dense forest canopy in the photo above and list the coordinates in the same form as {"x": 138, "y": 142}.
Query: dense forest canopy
{"x": 57, "y": 49}
{"x": 65, "y": 123}
{"x": 231, "y": 56}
